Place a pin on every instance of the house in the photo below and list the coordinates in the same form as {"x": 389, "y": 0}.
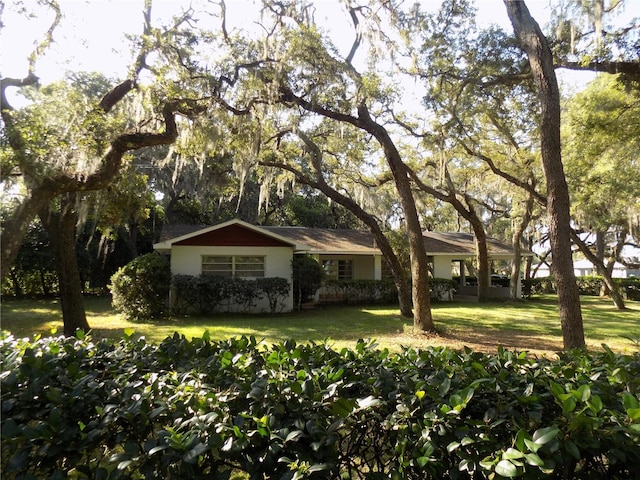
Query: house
{"x": 236, "y": 248}
{"x": 584, "y": 268}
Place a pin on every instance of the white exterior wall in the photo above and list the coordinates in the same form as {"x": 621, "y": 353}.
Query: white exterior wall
{"x": 363, "y": 267}
{"x": 377, "y": 267}
{"x": 187, "y": 260}
{"x": 441, "y": 267}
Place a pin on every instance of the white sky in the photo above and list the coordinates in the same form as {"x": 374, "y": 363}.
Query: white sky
{"x": 91, "y": 35}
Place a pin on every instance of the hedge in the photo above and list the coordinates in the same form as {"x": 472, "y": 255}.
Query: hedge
{"x": 207, "y": 409}
{"x": 588, "y": 285}
{"x": 382, "y": 291}
{"x": 206, "y": 294}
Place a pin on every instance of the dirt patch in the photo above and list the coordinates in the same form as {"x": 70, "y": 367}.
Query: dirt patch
{"x": 482, "y": 340}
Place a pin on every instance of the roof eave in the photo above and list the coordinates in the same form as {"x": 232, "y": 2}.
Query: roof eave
{"x": 167, "y": 244}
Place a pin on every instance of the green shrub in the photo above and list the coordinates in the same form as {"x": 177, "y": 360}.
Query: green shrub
{"x": 442, "y": 289}
{"x": 630, "y": 286}
{"x": 588, "y": 285}
{"x": 140, "y": 289}
{"x": 381, "y": 291}
{"x": 361, "y": 291}
{"x": 276, "y": 290}
{"x": 202, "y": 409}
{"x": 307, "y": 278}
{"x": 205, "y": 294}
{"x": 538, "y": 286}
{"x": 184, "y": 295}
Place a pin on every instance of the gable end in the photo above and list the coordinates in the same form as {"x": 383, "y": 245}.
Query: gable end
{"x": 233, "y": 235}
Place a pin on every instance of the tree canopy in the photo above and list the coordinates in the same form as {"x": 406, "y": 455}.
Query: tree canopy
{"x": 403, "y": 116}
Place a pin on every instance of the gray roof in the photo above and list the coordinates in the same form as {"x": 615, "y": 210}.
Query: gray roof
{"x": 326, "y": 240}
{"x": 454, "y": 243}
{"x": 329, "y": 240}
{"x": 170, "y": 232}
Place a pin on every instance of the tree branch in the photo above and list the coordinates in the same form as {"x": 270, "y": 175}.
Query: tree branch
{"x": 631, "y": 69}
{"x": 48, "y": 37}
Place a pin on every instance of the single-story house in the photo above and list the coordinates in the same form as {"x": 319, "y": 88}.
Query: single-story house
{"x": 237, "y": 248}
{"x": 584, "y": 268}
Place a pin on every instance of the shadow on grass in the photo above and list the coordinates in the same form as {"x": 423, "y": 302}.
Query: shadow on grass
{"x": 531, "y": 325}
{"x": 488, "y": 340}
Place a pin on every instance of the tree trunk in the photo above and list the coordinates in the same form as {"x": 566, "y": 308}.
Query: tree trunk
{"x": 469, "y": 214}
{"x": 602, "y": 270}
{"x": 422, "y": 318}
{"x": 516, "y": 243}
{"x": 535, "y": 45}
{"x": 399, "y": 276}
{"x": 600, "y": 248}
{"x": 482, "y": 255}
{"x": 132, "y": 239}
{"x": 61, "y": 227}
{"x": 43, "y": 283}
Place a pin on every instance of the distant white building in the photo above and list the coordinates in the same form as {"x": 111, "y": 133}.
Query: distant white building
{"x": 584, "y": 268}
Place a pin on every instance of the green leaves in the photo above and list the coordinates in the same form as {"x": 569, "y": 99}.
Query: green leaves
{"x": 209, "y": 409}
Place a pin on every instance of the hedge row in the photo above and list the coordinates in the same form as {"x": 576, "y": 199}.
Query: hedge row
{"x": 209, "y": 293}
{"x": 588, "y": 285}
{"x": 380, "y": 291}
{"x": 237, "y": 409}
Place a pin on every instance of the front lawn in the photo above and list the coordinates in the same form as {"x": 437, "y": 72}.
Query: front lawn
{"x": 531, "y": 325}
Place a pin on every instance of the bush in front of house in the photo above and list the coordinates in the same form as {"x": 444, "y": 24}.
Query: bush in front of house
{"x": 275, "y": 290}
{"x": 590, "y": 285}
{"x": 140, "y": 289}
{"x": 381, "y": 291}
{"x": 307, "y": 278}
{"x": 630, "y": 286}
{"x": 538, "y": 286}
{"x": 235, "y": 408}
{"x": 360, "y": 291}
{"x": 442, "y": 289}
{"x": 587, "y": 285}
{"x": 206, "y": 294}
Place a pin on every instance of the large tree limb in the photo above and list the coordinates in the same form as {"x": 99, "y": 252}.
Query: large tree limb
{"x": 626, "y": 68}
{"x": 401, "y": 282}
{"x": 15, "y": 228}
{"x": 48, "y": 37}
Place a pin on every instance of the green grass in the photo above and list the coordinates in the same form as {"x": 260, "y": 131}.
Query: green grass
{"x": 531, "y": 325}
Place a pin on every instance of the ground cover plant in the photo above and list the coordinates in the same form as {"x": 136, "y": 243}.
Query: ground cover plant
{"x": 240, "y": 409}
{"x": 530, "y": 325}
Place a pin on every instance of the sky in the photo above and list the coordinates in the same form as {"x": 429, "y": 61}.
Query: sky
{"x": 91, "y": 36}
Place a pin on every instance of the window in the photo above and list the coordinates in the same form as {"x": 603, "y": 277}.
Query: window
{"x": 338, "y": 269}
{"x": 233, "y": 266}
{"x": 248, "y": 266}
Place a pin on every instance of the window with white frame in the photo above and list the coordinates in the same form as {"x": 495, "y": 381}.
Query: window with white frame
{"x": 245, "y": 266}
{"x": 338, "y": 269}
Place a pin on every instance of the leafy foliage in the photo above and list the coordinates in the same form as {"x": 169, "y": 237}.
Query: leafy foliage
{"x": 380, "y": 291}
{"x": 307, "y": 277}
{"x": 276, "y": 290}
{"x": 601, "y": 134}
{"x": 211, "y": 293}
{"x": 360, "y": 291}
{"x": 588, "y": 285}
{"x": 202, "y": 409}
{"x": 140, "y": 289}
